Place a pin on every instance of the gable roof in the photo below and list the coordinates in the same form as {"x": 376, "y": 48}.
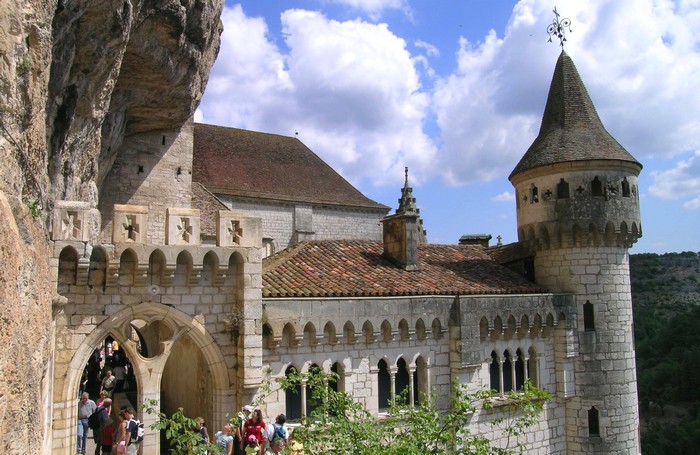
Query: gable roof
{"x": 208, "y": 205}
{"x": 257, "y": 165}
{"x": 356, "y": 268}
{"x": 571, "y": 129}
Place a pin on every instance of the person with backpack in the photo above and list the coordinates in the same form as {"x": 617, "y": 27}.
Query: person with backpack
{"x": 86, "y": 407}
{"x": 96, "y": 422}
{"x": 134, "y": 429}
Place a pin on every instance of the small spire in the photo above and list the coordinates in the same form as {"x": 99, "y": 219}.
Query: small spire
{"x": 405, "y": 184}
{"x": 558, "y": 28}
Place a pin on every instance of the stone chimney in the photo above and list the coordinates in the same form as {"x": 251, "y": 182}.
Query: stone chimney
{"x": 475, "y": 239}
{"x": 403, "y": 231}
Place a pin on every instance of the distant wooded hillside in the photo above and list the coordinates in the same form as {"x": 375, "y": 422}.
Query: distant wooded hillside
{"x": 666, "y": 301}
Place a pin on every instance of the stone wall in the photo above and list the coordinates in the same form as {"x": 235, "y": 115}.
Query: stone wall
{"x": 604, "y": 367}
{"x": 180, "y": 299}
{"x": 153, "y": 170}
{"x": 287, "y": 223}
{"x": 356, "y": 334}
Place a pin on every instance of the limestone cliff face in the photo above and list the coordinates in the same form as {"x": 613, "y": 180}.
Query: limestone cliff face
{"x": 77, "y": 79}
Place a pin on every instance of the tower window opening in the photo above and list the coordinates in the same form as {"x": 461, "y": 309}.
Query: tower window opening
{"x": 625, "y": 188}
{"x": 534, "y": 196}
{"x": 593, "y": 422}
{"x": 588, "y": 317}
{"x": 563, "y": 189}
{"x": 597, "y": 187}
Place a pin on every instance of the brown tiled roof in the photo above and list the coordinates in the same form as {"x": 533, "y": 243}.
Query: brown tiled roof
{"x": 571, "y": 129}
{"x": 208, "y": 206}
{"x": 512, "y": 252}
{"x": 356, "y": 268}
{"x": 250, "y": 164}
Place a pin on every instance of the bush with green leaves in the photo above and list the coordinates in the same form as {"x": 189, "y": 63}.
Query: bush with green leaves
{"x": 340, "y": 425}
{"x": 180, "y": 432}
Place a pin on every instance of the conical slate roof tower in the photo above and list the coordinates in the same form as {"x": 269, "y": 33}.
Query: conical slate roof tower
{"x": 571, "y": 129}
{"x": 578, "y": 211}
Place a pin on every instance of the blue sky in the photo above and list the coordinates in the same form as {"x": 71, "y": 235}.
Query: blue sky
{"x": 455, "y": 89}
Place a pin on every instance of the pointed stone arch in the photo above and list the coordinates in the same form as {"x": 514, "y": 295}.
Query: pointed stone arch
{"x": 67, "y": 376}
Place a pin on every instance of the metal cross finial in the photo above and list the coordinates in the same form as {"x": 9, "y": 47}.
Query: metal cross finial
{"x": 558, "y": 28}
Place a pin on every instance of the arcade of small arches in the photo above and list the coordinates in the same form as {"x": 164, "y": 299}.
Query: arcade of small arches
{"x": 496, "y": 330}
{"x": 290, "y": 336}
{"x": 556, "y": 235}
{"x": 398, "y": 382}
{"x": 133, "y": 270}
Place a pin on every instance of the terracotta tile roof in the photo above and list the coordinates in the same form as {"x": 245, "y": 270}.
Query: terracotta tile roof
{"x": 356, "y": 268}
{"x": 250, "y": 164}
{"x": 571, "y": 129}
{"x": 208, "y": 205}
{"x": 512, "y": 252}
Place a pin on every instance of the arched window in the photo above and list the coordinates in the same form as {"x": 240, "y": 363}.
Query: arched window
{"x": 288, "y": 336}
{"x": 420, "y": 330}
{"x": 210, "y": 268}
{"x": 534, "y": 195}
{"x": 311, "y": 402}
{"x": 563, "y": 189}
{"x": 508, "y": 371}
{"x": 309, "y": 334}
{"x": 596, "y": 187}
{"x": 156, "y": 267}
{"x": 386, "y": 331}
{"x": 292, "y": 400}
{"x": 625, "y": 188}
{"x": 494, "y": 373}
{"x": 97, "y": 274}
{"x": 588, "y": 317}
{"x": 338, "y": 382}
{"x": 519, "y": 370}
{"x": 349, "y": 332}
{"x": 593, "y": 422}
{"x": 329, "y": 333}
{"x": 403, "y": 330}
{"x": 421, "y": 382}
{"x": 368, "y": 332}
{"x": 401, "y": 383}
{"x": 532, "y": 372}
{"x": 183, "y": 268}
{"x": 436, "y": 329}
{"x": 268, "y": 336}
{"x": 127, "y": 268}
{"x": 383, "y": 386}
{"x": 67, "y": 268}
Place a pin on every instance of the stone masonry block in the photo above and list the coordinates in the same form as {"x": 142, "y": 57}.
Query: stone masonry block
{"x": 130, "y": 224}
{"x": 182, "y": 226}
{"x": 235, "y": 229}
{"x": 70, "y": 221}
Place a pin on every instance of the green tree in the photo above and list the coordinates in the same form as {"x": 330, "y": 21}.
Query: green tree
{"x": 180, "y": 431}
{"x": 340, "y": 425}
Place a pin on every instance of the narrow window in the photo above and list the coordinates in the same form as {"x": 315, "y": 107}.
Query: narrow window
{"x": 384, "y": 385}
{"x": 563, "y": 189}
{"x": 593, "y": 422}
{"x": 292, "y": 399}
{"x": 588, "y": 317}
{"x": 534, "y": 196}
{"x": 625, "y": 188}
{"x": 597, "y": 187}
{"x": 495, "y": 381}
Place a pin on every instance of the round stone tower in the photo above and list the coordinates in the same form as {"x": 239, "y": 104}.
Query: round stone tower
{"x": 578, "y": 208}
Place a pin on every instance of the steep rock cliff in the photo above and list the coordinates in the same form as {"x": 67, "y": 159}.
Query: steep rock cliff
{"x": 77, "y": 77}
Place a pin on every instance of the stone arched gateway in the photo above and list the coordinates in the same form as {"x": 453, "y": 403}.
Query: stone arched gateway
{"x": 167, "y": 326}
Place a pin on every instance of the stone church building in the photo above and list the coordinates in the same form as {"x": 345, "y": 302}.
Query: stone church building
{"x": 181, "y": 279}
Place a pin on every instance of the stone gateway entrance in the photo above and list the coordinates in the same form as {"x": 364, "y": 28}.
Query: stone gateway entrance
{"x": 179, "y": 366}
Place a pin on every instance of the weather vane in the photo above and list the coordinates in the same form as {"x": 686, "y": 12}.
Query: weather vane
{"x": 558, "y": 28}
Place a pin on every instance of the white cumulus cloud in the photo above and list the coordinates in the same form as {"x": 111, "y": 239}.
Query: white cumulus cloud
{"x": 681, "y": 182}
